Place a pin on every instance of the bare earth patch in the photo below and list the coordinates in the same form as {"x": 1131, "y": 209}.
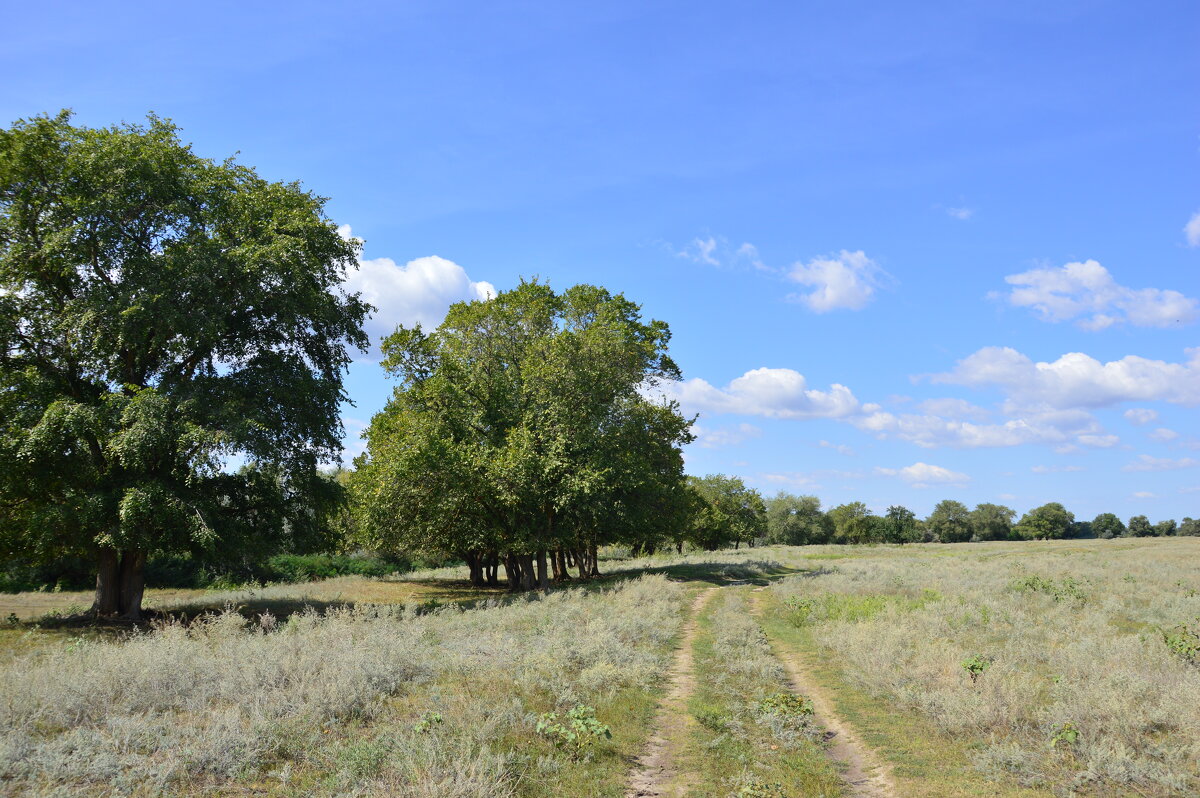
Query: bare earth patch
{"x": 656, "y": 773}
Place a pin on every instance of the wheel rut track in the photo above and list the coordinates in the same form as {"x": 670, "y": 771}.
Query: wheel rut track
{"x": 865, "y": 773}
{"x": 657, "y": 773}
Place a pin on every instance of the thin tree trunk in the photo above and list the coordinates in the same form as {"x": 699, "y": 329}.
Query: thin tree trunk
{"x": 527, "y": 574}
{"x": 560, "y": 560}
{"x": 581, "y": 563}
{"x": 595, "y": 569}
{"x": 679, "y": 546}
{"x": 543, "y": 578}
{"x": 108, "y": 588}
{"x": 133, "y": 583}
{"x": 512, "y": 570}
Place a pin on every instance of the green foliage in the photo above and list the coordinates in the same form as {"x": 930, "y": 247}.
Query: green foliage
{"x": 712, "y": 719}
{"x": 852, "y": 523}
{"x": 427, "y": 722}
{"x": 519, "y": 426}
{"x": 975, "y": 665}
{"x": 1189, "y": 527}
{"x": 991, "y": 522}
{"x": 796, "y": 520}
{"x": 729, "y": 512}
{"x": 1184, "y": 641}
{"x": 950, "y": 522}
{"x": 159, "y": 314}
{"x": 1140, "y": 527}
{"x": 804, "y": 610}
{"x": 762, "y": 789}
{"x": 1065, "y": 735}
{"x": 1165, "y": 528}
{"x": 580, "y": 731}
{"x": 902, "y": 526}
{"x": 1048, "y": 522}
{"x": 1108, "y": 526}
{"x": 1062, "y": 589}
{"x": 785, "y": 704}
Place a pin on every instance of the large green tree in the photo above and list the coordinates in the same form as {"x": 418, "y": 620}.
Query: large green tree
{"x": 160, "y": 314}
{"x": 519, "y": 435}
{"x": 729, "y": 513}
{"x": 950, "y": 522}
{"x": 991, "y": 522}
{"x": 853, "y": 523}
{"x": 1051, "y": 521}
{"x": 1107, "y": 525}
{"x": 796, "y": 520}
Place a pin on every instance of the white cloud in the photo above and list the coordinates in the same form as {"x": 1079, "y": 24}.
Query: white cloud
{"x": 962, "y": 214}
{"x": 1007, "y": 496}
{"x": 1192, "y": 230}
{"x": 1163, "y": 435}
{"x": 727, "y": 436}
{"x": 1145, "y": 494}
{"x": 1041, "y": 469}
{"x": 837, "y": 447}
{"x": 1147, "y": 463}
{"x": 953, "y": 408}
{"x": 1141, "y": 415}
{"x": 1062, "y": 427}
{"x": 420, "y": 291}
{"x": 1077, "y": 380}
{"x": 924, "y": 475}
{"x": 701, "y": 250}
{"x": 847, "y": 281}
{"x": 773, "y": 393}
{"x": 1087, "y": 291}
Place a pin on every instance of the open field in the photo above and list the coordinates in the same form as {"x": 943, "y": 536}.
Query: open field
{"x": 424, "y": 686}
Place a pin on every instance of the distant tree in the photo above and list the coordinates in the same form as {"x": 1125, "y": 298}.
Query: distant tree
{"x": 796, "y": 520}
{"x": 1081, "y": 529}
{"x": 1048, "y": 522}
{"x": 851, "y": 523}
{"x": 161, "y": 313}
{"x": 950, "y": 522}
{"x": 902, "y": 525}
{"x": 991, "y": 522}
{"x": 1108, "y": 526}
{"x": 731, "y": 512}
{"x": 1189, "y": 527}
{"x": 1165, "y": 528}
{"x": 1140, "y": 527}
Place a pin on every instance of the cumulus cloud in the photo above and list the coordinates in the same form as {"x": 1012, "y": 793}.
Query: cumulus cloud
{"x": 722, "y": 437}
{"x": 1076, "y": 380}
{"x": 846, "y": 281}
{"x": 1147, "y": 463}
{"x": 953, "y": 408}
{"x": 1163, "y": 435}
{"x": 1087, "y": 292}
{"x": 420, "y": 291}
{"x": 924, "y": 475}
{"x": 1141, "y": 415}
{"x": 768, "y": 392}
{"x": 1192, "y": 230}
{"x": 1056, "y": 427}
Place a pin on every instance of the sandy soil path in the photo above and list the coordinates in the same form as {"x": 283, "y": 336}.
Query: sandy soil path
{"x": 656, "y": 772}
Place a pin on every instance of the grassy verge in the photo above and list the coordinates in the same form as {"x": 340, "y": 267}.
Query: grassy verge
{"x": 750, "y": 738}
{"x": 924, "y": 761}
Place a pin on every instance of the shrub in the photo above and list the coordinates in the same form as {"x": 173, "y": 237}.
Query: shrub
{"x": 787, "y": 704}
{"x": 1184, "y": 642}
{"x": 975, "y": 665}
{"x": 578, "y": 734}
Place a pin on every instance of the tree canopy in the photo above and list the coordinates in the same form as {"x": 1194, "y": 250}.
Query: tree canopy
{"x": 161, "y": 313}
{"x": 519, "y": 429}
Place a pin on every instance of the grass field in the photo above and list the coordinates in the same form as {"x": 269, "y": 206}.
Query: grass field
{"x": 1005, "y": 669}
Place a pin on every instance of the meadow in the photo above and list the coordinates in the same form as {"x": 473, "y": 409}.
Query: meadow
{"x": 1011, "y": 669}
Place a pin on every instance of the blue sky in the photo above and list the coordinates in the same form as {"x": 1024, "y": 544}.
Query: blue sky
{"x": 907, "y": 251}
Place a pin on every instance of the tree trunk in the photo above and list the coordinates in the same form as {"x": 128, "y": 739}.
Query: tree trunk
{"x": 475, "y": 564}
{"x": 512, "y": 570}
{"x": 581, "y": 563}
{"x": 543, "y": 577}
{"x": 108, "y": 589}
{"x": 493, "y": 564}
{"x": 679, "y": 546}
{"x": 527, "y": 574}
{"x": 560, "y": 561}
{"x": 555, "y": 570}
{"x": 133, "y": 583}
{"x": 595, "y": 565}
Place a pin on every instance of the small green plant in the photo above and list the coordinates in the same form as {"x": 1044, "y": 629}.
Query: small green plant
{"x": 1064, "y": 735}
{"x": 786, "y": 704}
{"x": 762, "y": 789}
{"x": 427, "y": 721}
{"x": 712, "y": 719}
{"x": 800, "y": 609}
{"x": 975, "y": 665}
{"x": 1067, "y": 587}
{"x": 578, "y": 734}
{"x": 1184, "y": 641}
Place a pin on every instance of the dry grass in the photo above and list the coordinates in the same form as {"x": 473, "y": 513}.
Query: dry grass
{"x": 1072, "y": 633}
{"x": 326, "y": 703}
